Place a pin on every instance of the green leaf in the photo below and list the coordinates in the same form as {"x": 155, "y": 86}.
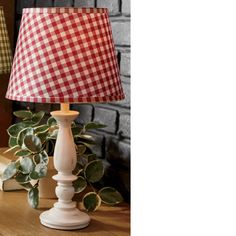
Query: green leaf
{"x": 41, "y": 157}
{"x": 26, "y": 165}
{"x": 29, "y": 123}
{"x": 22, "y": 153}
{"x": 17, "y": 163}
{"x": 94, "y": 125}
{"x": 91, "y": 201}
{"x": 38, "y": 117}
{"x": 51, "y": 121}
{"x": 37, "y": 158}
{"x": 41, "y": 129}
{"x": 22, "y": 178}
{"x": 86, "y": 142}
{"x": 39, "y": 171}
{"x": 94, "y": 171}
{"x": 23, "y": 114}
{"x": 10, "y": 171}
{"x": 44, "y": 157}
{"x": 73, "y": 124}
{"x": 78, "y": 169}
{"x": 34, "y": 175}
{"x": 53, "y": 134}
{"x": 42, "y": 137}
{"x": 91, "y": 157}
{"x": 76, "y": 130}
{"x": 110, "y": 196}
{"x": 81, "y": 149}
{"x": 23, "y": 133}
{"x": 12, "y": 142}
{"x": 87, "y": 138}
{"x": 15, "y": 129}
{"x": 32, "y": 143}
{"x": 80, "y": 184}
{"x": 33, "y": 197}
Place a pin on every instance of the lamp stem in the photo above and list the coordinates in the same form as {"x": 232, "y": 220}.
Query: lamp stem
{"x": 64, "y": 215}
{"x": 65, "y": 107}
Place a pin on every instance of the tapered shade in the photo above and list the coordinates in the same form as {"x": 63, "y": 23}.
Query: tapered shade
{"x": 65, "y": 55}
{"x": 5, "y": 49}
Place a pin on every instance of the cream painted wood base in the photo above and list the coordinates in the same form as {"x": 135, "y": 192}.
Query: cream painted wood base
{"x": 64, "y": 219}
{"x": 64, "y": 215}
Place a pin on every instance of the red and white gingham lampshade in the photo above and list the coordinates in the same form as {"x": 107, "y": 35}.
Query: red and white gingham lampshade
{"x": 65, "y": 55}
{"x": 5, "y": 48}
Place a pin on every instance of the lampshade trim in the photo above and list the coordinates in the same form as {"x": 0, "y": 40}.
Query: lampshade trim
{"x": 62, "y": 10}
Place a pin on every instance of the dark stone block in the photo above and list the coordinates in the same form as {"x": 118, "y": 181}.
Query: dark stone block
{"x": 84, "y": 3}
{"x": 107, "y": 117}
{"x": 23, "y": 4}
{"x": 43, "y": 3}
{"x": 85, "y": 112}
{"x": 126, "y": 7}
{"x": 121, "y": 32}
{"x": 126, "y": 101}
{"x": 63, "y": 3}
{"x": 125, "y": 64}
{"x": 98, "y": 149}
{"x": 124, "y": 126}
{"x": 118, "y": 153}
{"x": 112, "y": 5}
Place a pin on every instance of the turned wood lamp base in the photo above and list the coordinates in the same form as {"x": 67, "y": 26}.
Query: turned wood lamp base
{"x": 64, "y": 215}
{"x": 69, "y": 219}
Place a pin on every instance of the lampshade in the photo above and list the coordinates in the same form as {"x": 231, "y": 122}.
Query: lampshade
{"x": 65, "y": 55}
{"x": 5, "y": 49}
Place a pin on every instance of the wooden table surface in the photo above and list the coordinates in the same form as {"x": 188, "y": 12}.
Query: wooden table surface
{"x": 18, "y": 219}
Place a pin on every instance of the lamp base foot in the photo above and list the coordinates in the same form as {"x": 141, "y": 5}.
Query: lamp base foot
{"x": 64, "y": 220}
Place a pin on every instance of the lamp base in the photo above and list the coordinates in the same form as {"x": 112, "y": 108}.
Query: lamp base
{"x": 64, "y": 215}
{"x": 69, "y": 219}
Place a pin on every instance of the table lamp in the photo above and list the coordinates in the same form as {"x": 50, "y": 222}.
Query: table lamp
{"x": 5, "y": 48}
{"x": 65, "y": 55}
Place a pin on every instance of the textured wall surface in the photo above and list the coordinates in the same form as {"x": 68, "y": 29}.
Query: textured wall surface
{"x": 114, "y": 140}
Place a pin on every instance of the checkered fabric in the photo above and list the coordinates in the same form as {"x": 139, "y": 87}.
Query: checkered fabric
{"x": 5, "y": 49}
{"x": 65, "y": 55}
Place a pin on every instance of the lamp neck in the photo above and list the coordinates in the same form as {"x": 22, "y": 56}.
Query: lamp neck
{"x": 65, "y": 107}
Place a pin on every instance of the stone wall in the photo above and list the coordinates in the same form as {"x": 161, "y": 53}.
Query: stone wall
{"x": 114, "y": 140}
